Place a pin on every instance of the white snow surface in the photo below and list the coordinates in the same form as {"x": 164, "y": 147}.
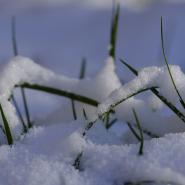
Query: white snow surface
{"x": 47, "y": 153}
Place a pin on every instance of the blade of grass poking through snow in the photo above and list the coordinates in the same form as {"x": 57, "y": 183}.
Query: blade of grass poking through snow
{"x": 114, "y": 29}
{"x": 26, "y": 108}
{"x": 133, "y": 131}
{"x": 88, "y": 126}
{"x": 141, "y": 133}
{"x": 162, "y": 98}
{"x": 78, "y": 161}
{"x": 6, "y": 127}
{"x": 15, "y": 49}
{"x": 14, "y": 41}
{"x": 111, "y": 123}
{"x": 81, "y": 76}
{"x": 83, "y": 68}
{"x": 106, "y": 120}
{"x": 168, "y": 67}
{"x": 73, "y": 109}
{"x": 130, "y": 95}
{"x": 19, "y": 113}
{"x": 84, "y": 114}
{"x": 61, "y": 92}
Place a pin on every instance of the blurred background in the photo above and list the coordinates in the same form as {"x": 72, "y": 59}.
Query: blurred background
{"x": 59, "y": 33}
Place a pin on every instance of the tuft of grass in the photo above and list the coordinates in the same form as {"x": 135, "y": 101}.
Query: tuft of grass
{"x": 140, "y": 132}
{"x": 61, "y": 92}
{"x": 6, "y": 127}
{"x": 114, "y": 29}
{"x": 168, "y": 67}
{"x": 172, "y": 107}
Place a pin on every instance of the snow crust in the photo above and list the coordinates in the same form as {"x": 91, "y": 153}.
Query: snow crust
{"x": 47, "y": 153}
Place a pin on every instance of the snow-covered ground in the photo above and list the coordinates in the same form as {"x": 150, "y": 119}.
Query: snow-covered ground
{"x": 53, "y": 41}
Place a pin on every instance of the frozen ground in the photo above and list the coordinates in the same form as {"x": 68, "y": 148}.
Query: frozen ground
{"x": 54, "y": 41}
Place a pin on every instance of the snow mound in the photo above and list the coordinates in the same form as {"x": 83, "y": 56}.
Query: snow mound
{"x": 48, "y": 152}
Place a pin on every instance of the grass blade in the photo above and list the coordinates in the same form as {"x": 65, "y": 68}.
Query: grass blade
{"x": 134, "y": 132}
{"x": 14, "y": 41}
{"x": 140, "y": 131}
{"x": 112, "y": 123}
{"x": 19, "y": 113}
{"x": 78, "y": 161}
{"x": 81, "y": 76}
{"x": 26, "y": 107}
{"x": 61, "y": 92}
{"x": 131, "y": 95}
{"x": 6, "y": 127}
{"x": 84, "y": 114}
{"x": 129, "y": 67}
{"x": 173, "y": 108}
{"x": 15, "y": 50}
{"x": 168, "y": 67}
{"x": 73, "y": 109}
{"x": 83, "y": 68}
{"x": 114, "y": 29}
{"x": 106, "y": 120}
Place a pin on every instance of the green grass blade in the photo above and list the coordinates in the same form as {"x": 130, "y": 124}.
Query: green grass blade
{"x": 107, "y": 119}
{"x": 63, "y": 93}
{"x": 84, "y": 114}
{"x": 78, "y": 161}
{"x": 129, "y": 67}
{"x": 131, "y": 95}
{"x": 6, "y": 127}
{"x": 73, "y": 109}
{"x": 19, "y": 113}
{"x": 140, "y": 131}
{"x": 88, "y": 127}
{"x": 14, "y": 41}
{"x": 168, "y": 67}
{"x": 112, "y": 123}
{"x": 114, "y": 29}
{"x": 173, "y": 108}
{"x": 81, "y": 76}
{"x": 15, "y": 50}
{"x": 83, "y": 68}
{"x": 26, "y": 108}
{"x": 134, "y": 132}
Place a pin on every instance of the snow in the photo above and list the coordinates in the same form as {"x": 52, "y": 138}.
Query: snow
{"x": 47, "y": 153}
